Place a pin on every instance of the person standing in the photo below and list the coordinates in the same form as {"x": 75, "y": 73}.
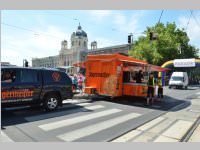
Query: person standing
{"x": 160, "y": 88}
{"x": 80, "y": 84}
{"x": 139, "y": 77}
{"x": 75, "y": 82}
{"x": 150, "y": 90}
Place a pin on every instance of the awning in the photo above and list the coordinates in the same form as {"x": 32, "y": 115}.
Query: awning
{"x": 158, "y": 68}
{"x": 80, "y": 64}
{"x": 130, "y": 59}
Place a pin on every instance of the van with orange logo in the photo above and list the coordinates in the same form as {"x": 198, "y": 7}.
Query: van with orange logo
{"x": 34, "y": 86}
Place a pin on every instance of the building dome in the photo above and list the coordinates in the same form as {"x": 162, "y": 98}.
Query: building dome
{"x": 79, "y": 32}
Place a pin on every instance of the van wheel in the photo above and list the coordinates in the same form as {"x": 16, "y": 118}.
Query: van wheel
{"x": 51, "y": 102}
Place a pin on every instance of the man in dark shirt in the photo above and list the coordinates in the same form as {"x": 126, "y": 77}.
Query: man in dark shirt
{"x": 139, "y": 77}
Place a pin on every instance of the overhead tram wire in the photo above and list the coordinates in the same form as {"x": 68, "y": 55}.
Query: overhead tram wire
{"x": 189, "y": 20}
{"x": 160, "y": 16}
{"x": 26, "y": 29}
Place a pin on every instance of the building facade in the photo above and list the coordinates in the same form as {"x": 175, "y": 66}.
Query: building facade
{"x": 77, "y": 52}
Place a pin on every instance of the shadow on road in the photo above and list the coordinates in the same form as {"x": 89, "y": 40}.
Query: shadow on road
{"x": 166, "y": 104}
{"x": 17, "y": 116}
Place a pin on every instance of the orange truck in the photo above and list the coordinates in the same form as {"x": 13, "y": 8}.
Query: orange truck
{"x": 114, "y": 75}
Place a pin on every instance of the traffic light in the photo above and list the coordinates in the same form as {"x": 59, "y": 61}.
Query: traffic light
{"x": 26, "y": 63}
{"x": 152, "y": 36}
{"x": 129, "y": 39}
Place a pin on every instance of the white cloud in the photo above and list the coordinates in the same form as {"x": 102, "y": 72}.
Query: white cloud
{"x": 126, "y": 24}
{"x": 99, "y": 15}
{"x": 104, "y": 42}
{"x": 15, "y": 49}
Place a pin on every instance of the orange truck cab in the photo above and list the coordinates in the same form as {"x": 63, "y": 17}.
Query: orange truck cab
{"x": 115, "y": 75}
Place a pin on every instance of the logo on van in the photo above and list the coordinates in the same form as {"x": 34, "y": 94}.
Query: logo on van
{"x": 56, "y": 76}
{"x": 16, "y": 94}
{"x": 104, "y": 75}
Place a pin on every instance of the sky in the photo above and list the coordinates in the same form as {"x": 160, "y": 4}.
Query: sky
{"x": 27, "y": 34}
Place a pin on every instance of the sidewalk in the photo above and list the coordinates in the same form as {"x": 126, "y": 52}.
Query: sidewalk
{"x": 196, "y": 135}
{"x": 4, "y": 137}
{"x": 170, "y": 127}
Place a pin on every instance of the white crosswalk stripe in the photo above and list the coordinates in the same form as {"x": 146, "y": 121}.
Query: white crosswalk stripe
{"x": 42, "y": 117}
{"x": 71, "y": 121}
{"x": 89, "y": 130}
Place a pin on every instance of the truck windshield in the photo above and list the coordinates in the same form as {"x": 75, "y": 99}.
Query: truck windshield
{"x": 175, "y": 78}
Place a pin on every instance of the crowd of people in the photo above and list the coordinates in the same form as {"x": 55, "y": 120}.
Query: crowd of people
{"x": 78, "y": 81}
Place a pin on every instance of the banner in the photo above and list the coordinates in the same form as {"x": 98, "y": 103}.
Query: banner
{"x": 184, "y": 62}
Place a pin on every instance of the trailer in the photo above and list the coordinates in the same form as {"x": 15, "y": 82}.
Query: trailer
{"x": 114, "y": 75}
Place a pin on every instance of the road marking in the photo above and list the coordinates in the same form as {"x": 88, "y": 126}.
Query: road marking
{"x": 68, "y": 122}
{"x": 178, "y": 129}
{"x": 128, "y": 136}
{"x": 150, "y": 124}
{"x": 74, "y": 135}
{"x": 57, "y": 114}
{"x": 5, "y": 138}
{"x": 76, "y": 103}
{"x": 165, "y": 139}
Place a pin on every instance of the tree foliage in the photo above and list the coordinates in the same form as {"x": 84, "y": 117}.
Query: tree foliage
{"x": 165, "y": 47}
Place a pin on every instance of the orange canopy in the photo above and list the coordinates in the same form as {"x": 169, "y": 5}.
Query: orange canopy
{"x": 115, "y": 56}
{"x": 121, "y": 58}
{"x": 158, "y": 68}
{"x": 80, "y": 64}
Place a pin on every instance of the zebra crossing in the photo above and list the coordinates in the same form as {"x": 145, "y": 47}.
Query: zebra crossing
{"x": 98, "y": 118}
{"x": 88, "y": 121}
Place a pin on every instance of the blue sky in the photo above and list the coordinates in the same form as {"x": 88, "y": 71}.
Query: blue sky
{"x": 31, "y": 33}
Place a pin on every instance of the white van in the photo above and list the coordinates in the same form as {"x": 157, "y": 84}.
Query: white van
{"x": 179, "y": 80}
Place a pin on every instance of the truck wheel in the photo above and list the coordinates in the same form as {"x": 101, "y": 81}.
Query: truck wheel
{"x": 51, "y": 102}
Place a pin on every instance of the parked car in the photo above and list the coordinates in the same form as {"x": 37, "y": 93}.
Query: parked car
{"x": 34, "y": 86}
{"x": 179, "y": 80}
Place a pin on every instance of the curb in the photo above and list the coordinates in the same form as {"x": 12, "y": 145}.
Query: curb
{"x": 81, "y": 97}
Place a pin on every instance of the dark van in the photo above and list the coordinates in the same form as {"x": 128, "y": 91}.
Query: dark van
{"x": 34, "y": 86}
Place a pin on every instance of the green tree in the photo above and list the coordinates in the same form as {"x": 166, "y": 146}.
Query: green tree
{"x": 171, "y": 43}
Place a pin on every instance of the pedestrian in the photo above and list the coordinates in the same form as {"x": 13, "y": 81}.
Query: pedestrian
{"x": 139, "y": 77}
{"x": 160, "y": 88}
{"x": 150, "y": 90}
{"x": 75, "y": 82}
{"x": 80, "y": 84}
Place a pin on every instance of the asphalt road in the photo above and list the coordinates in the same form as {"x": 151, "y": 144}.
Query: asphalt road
{"x": 84, "y": 121}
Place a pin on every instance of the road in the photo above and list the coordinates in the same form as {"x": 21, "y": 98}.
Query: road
{"x": 90, "y": 120}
